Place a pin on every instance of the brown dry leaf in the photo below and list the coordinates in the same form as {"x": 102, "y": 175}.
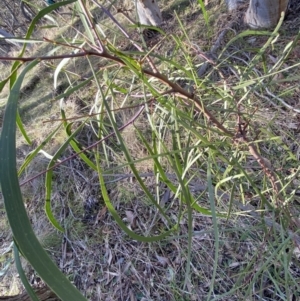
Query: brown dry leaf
{"x": 273, "y": 59}
{"x": 108, "y": 253}
{"x": 165, "y": 198}
{"x": 100, "y": 215}
{"x": 131, "y": 218}
{"x": 164, "y": 261}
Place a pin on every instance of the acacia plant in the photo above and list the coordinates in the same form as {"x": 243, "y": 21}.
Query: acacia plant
{"x": 196, "y": 128}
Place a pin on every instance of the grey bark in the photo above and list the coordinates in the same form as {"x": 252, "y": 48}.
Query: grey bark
{"x": 233, "y": 4}
{"x": 260, "y": 13}
{"x": 149, "y": 12}
{"x": 265, "y": 13}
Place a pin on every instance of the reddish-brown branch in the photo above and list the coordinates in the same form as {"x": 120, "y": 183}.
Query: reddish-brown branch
{"x": 241, "y": 137}
{"x": 178, "y": 91}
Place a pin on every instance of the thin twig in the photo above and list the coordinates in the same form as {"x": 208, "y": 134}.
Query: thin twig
{"x": 126, "y": 34}
{"x": 138, "y": 113}
{"x": 92, "y": 25}
{"x": 268, "y": 221}
{"x": 112, "y": 110}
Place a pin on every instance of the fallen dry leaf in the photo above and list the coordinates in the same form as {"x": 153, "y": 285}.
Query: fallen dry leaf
{"x": 131, "y": 218}
{"x": 164, "y": 261}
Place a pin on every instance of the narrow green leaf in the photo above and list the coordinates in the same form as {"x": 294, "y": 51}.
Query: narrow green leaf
{"x": 22, "y": 129}
{"x": 24, "y": 280}
{"x": 85, "y": 22}
{"x": 32, "y": 154}
{"x": 63, "y": 63}
{"x": 75, "y": 145}
{"x": 3, "y": 83}
{"x": 163, "y": 175}
{"x": 216, "y": 231}
{"x": 36, "y": 19}
{"x": 117, "y": 218}
{"x": 204, "y": 12}
{"x": 48, "y": 180}
{"x": 19, "y": 222}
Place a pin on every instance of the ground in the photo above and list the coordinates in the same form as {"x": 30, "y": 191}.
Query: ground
{"x": 225, "y": 241}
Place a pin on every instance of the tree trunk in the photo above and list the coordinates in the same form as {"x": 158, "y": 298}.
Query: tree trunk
{"x": 149, "y": 12}
{"x": 260, "y": 13}
{"x": 233, "y": 4}
{"x": 265, "y": 13}
{"x": 43, "y": 294}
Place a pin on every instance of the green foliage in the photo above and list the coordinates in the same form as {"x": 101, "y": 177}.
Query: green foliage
{"x": 184, "y": 129}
